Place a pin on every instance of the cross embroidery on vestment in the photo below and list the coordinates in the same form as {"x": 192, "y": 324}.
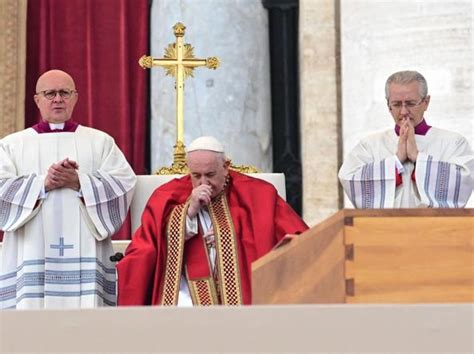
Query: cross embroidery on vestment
{"x": 61, "y": 246}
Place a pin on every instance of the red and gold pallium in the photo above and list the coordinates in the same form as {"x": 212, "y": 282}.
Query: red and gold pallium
{"x": 227, "y": 261}
{"x": 174, "y": 259}
{"x": 225, "y": 287}
{"x": 203, "y": 292}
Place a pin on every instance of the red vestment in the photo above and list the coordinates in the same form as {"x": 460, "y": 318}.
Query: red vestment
{"x": 259, "y": 217}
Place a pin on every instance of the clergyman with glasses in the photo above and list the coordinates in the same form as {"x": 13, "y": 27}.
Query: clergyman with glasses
{"x": 414, "y": 164}
{"x": 64, "y": 190}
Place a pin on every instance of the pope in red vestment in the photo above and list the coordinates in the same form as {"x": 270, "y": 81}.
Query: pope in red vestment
{"x": 247, "y": 218}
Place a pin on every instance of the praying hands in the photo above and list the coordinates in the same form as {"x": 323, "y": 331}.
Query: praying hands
{"x": 407, "y": 148}
{"x": 62, "y": 174}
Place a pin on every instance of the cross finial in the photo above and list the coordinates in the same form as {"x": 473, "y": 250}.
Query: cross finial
{"x": 179, "y": 29}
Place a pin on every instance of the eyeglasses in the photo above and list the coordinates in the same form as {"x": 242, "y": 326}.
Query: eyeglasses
{"x": 397, "y": 105}
{"x": 51, "y": 94}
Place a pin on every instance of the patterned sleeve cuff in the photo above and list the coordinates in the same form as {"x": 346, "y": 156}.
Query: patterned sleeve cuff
{"x": 43, "y": 194}
{"x": 399, "y": 165}
{"x": 191, "y": 227}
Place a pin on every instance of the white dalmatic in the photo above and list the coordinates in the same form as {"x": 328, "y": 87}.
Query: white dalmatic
{"x": 56, "y": 247}
{"x": 443, "y": 176}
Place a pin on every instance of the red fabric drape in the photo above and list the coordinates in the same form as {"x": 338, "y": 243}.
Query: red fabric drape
{"x": 98, "y": 42}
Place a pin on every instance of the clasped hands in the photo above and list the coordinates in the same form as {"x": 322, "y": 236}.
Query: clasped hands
{"x": 62, "y": 174}
{"x": 407, "y": 149}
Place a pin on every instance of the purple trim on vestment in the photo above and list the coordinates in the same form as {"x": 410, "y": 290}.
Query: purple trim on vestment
{"x": 70, "y": 126}
{"x": 421, "y": 129}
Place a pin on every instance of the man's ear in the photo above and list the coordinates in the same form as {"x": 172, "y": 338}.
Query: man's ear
{"x": 36, "y": 99}
{"x": 427, "y": 101}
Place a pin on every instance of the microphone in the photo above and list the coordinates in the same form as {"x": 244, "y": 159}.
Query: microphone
{"x": 116, "y": 257}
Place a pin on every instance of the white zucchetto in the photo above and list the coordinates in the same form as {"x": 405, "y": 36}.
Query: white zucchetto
{"x": 206, "y": 143}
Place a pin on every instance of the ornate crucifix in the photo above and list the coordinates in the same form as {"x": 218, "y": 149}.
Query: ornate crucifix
{"x": 178, "y": 61}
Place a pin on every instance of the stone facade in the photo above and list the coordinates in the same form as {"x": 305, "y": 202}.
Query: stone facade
{"x": 320, "y": 110}
{"x": 12, "y": 65}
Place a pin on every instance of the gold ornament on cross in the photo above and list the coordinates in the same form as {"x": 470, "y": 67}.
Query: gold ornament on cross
{"x": 179, "y": 61}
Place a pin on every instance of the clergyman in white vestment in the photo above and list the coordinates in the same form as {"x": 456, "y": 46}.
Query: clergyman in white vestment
{"x": 63, "y": 193}
{"x": 413, "y": 165}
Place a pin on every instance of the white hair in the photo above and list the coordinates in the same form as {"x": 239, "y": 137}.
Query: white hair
{"x": 405, "y": 77}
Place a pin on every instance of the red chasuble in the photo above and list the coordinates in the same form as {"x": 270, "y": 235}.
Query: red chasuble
{"x": 248, "y": 220}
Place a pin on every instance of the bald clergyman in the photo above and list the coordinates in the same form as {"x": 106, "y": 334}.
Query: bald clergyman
{"x": 201, "y": 233}
{"x": 65, "y": 190}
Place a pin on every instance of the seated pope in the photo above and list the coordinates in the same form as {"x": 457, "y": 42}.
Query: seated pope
{"x": 199, "y": 235}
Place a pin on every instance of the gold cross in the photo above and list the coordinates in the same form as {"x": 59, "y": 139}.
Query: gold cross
{"x": 178, "y": 61}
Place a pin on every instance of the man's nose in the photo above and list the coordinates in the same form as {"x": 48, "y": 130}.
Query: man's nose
{"x": 57, "y": 97}
{"x": 404, "y": 110}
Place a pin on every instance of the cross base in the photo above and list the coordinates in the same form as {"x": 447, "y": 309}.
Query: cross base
{"x": 178, "y": 167}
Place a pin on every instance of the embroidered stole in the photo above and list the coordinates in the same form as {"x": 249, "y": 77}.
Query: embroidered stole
{"x": 222, "y": 288}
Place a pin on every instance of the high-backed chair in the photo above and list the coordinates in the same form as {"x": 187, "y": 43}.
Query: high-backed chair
{"x": 146, "y": 185}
